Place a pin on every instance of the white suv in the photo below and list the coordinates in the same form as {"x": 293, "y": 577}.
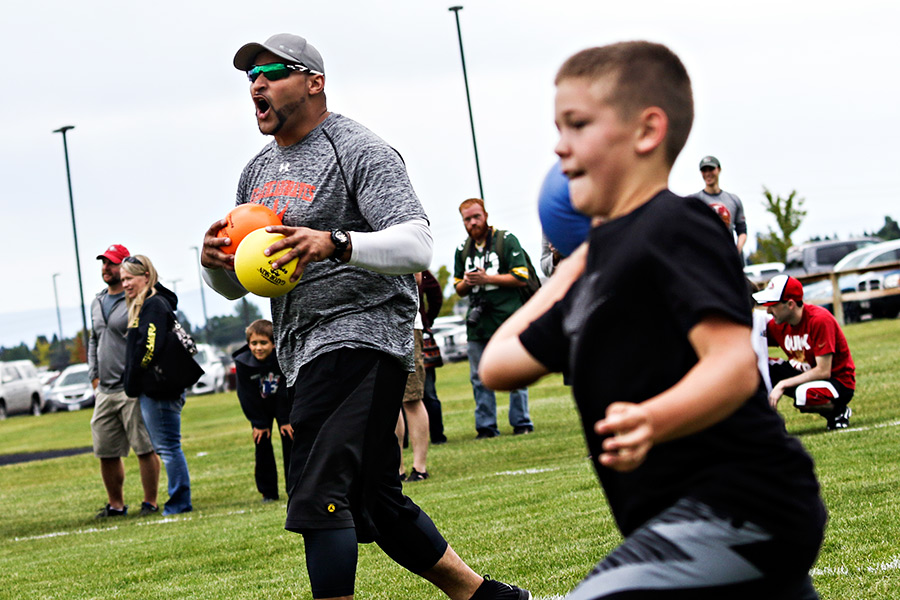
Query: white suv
{"x": 213, "y": 378}
{"x": 20, "y": 388}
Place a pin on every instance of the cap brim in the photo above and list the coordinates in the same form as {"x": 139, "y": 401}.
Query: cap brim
{"x": 764, "y": 300}
{"x": 246, "y": 55}
{"x": 111, "y": 259}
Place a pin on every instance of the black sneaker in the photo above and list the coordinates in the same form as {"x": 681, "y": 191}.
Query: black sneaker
{"x": 109, "y": 511}
{"x": 148, "y": 509}
{"x": 417, "y": 476}
{"x": 484, "y": 434}
{"x": 523, "y": 429}
{"x": 841, "y": 420}
{"x": 403, "y": 476}
{"x": 495, "y": 590}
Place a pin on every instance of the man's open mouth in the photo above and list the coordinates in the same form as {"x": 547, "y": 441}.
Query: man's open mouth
{"x": 262, "y": 105}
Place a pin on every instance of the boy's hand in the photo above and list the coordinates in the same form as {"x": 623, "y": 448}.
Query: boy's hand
{"x": 259, "y": 433}
{"x": 287, "y": 430}
{"x": 632, "y": 436}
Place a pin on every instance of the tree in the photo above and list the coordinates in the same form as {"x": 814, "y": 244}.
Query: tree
{"x": 788, "y": 213}
{"x": 890, "y": 231}
{"x": 41, "y": 350}
{"x": 247, "y": 312}
{"x": 79, "y": 352}
{"x": 20, "y": 352}
{"x": 225, "y": 330}
{"x": 443, "y": 277}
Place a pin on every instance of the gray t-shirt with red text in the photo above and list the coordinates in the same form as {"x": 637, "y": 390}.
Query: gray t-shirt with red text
{"x": 340, "y": 176}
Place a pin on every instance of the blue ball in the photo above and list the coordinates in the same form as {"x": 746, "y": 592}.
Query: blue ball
{"x": 564, "y": 227}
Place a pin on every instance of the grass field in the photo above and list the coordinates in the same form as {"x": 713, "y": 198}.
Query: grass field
{"x": 526, "y": 510}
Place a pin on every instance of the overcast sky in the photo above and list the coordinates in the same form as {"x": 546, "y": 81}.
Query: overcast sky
{"x": 789, "y": 95}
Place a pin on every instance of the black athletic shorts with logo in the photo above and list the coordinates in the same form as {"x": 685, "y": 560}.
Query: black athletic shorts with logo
{"x": 694, "y": 552}
{"x": 345, "y": 459}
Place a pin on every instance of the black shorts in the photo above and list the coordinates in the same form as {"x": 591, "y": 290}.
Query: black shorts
{"x": 780, "y": 370}
{"x": 692, "y": 551}
{"x": 345, "y": 459}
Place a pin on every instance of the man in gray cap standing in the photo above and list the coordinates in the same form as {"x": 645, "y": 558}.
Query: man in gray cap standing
{"x": 344, "y": 334}
{"x": 728, "y": 205}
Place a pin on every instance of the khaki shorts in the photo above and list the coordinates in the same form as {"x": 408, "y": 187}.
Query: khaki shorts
{"x": 117, "y": 426}
{"x": 415, "y": 384}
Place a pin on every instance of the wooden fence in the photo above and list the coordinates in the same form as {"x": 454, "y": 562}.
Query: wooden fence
{"x": 838, "y": 298}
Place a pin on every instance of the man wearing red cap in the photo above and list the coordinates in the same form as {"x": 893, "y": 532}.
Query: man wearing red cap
{"x": 819, "y": 373}
{"x": 117, "y": 425}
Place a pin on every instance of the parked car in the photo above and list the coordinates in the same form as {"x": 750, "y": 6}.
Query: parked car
{"x": 20, "y": 388}
{"x": 821, "y": 292}
{"x": 885, "y": 307}
{"x": 212, "y": 362}
{"x": 450, "y": 335}
{"x": 763, "y": 272}
{"x": 72, "y": 390}
{"x": 819, "y": 257}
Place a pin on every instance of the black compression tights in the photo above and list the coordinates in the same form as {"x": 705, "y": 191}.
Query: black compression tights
{"x": 331, "y": 556}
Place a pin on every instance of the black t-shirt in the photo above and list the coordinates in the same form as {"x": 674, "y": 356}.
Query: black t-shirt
{"x": 621, "y": 334}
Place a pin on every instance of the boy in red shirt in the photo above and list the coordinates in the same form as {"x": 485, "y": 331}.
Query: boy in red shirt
{"x": 819, "y": 372}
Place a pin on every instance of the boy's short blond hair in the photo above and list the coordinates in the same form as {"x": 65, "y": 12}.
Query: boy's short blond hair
{"x": 261, "y": 327}
{"x": 645, "y": 74}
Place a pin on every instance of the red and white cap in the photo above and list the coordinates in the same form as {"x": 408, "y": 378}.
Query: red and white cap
{"x": 780, "y": 289}
{"x": 115, "y": 254}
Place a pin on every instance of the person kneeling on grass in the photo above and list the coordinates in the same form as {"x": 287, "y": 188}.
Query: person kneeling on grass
{"x": 651, "y": 321}
{"x": 263, "y": 395}
{"x": 819, "y": 373}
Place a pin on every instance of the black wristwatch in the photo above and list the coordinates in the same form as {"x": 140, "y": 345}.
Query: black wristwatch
{"x": 340, "y": 239}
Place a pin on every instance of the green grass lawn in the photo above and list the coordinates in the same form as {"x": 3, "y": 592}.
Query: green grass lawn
{"x": 525, "y": 509}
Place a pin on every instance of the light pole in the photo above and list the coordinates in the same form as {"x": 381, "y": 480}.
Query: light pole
{"x": 202, "y": 294}
{"x": 63, "y": 131}
{"x": 58, "y": 318}
{"x": 455, "y": 10}
{"x": 175, "y": 286}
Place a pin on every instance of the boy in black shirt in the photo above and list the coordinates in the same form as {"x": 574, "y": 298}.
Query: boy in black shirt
{"x": 264, "y": 398}
{"x": 651, "y": 321}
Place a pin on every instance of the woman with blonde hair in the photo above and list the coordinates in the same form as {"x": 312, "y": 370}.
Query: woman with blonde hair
{"x": 151, "y": 314}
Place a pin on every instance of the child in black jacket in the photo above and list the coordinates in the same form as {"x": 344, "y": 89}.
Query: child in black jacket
{"x": 263, "y": 394}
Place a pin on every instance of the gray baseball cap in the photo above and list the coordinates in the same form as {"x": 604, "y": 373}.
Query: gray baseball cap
{"x": 292, "y": 48}
{"x": 709, "y": 161}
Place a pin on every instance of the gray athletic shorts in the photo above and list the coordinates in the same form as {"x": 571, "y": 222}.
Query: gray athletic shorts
{"x": 117, "y": 426}
{"x": 692, "y": 551}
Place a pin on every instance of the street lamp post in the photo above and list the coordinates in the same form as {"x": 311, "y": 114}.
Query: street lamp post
{"x": 58, "y": 317}
{"x": 63, "y": 131}
{"x": 455, "y": 10}
{"x": 202, "y": 294}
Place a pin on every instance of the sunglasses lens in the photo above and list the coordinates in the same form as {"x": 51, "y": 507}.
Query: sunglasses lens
{"x": 273, "y": 72}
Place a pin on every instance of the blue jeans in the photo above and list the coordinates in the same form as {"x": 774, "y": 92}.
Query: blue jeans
{"x": 486, "y": 401}
{"x": 163, "y": 421}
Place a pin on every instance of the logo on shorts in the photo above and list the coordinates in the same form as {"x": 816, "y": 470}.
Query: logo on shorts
{"x": 332, "y": 508}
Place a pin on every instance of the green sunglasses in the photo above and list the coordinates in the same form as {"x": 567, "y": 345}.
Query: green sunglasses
{"x": 275, "y": 71}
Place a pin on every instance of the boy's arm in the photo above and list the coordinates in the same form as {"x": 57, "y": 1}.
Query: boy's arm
{"x": 506, "y": 364}
{"x": 722, "y": 380}
{"x": 822, "y": 370}
{"x": 248, "y": 395}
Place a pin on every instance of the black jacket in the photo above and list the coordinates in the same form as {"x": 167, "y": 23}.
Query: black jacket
{"x": 148, "y": 343}
{"x": 261, "y": 388}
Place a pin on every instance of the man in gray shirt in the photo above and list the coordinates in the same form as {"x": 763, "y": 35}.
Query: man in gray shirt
{"x": 344, "y": 334}
{"x": 726, "y": 204}
{"x": 117, "y": 425}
